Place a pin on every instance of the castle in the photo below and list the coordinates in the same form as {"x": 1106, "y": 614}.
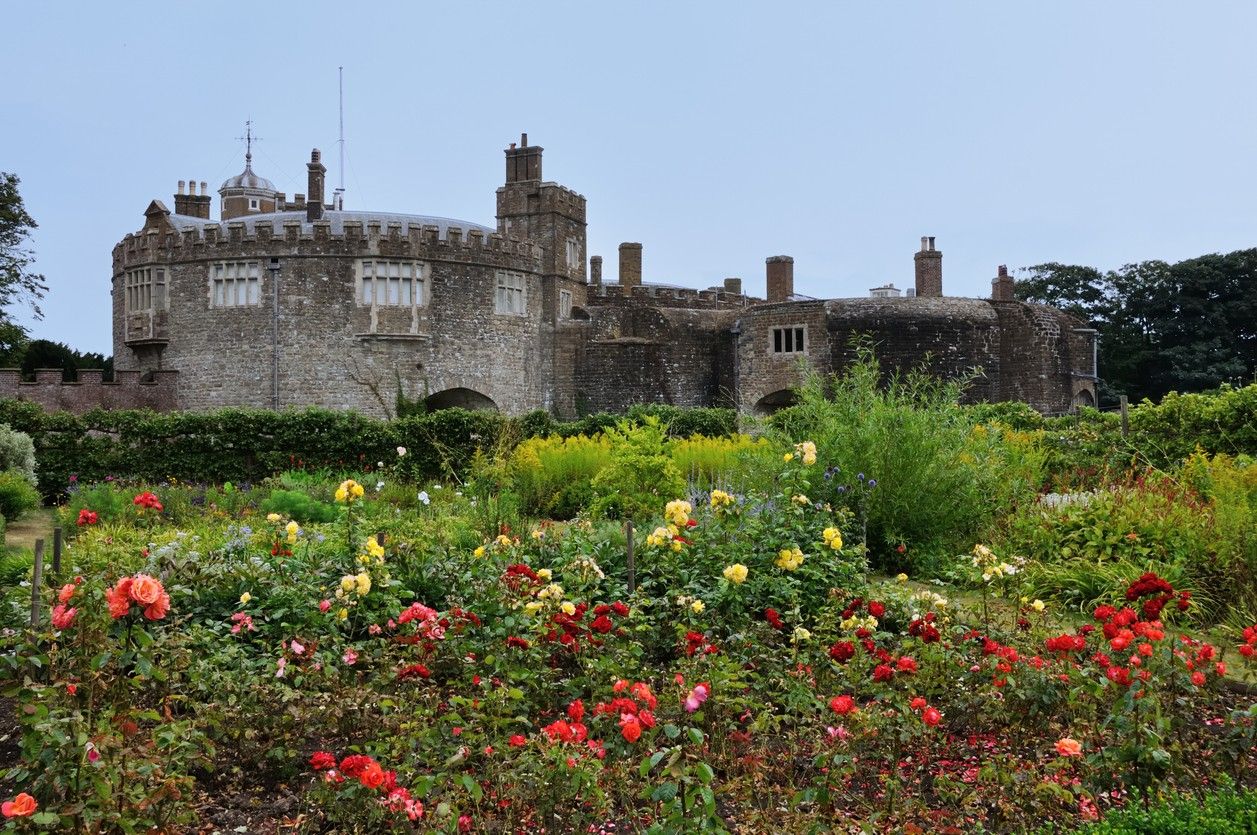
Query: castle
{"x": 301, "y": 302}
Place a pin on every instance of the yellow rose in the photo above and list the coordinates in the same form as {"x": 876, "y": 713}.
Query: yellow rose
{"x": 801, "y": 634}
{"x": 545, "y": 574}
{"x": 532, "y": 607}
{"x": 1038, "y": 605}
{"x": 273, "y": 517}
{"x": 479, "y": 552}
{"x": 348, "y": 582}
{"x": 836, "y": 542}
{"x": 901, "y": 578}
{"x": 697, "y": 607}
{"x": 788, "y": 457}
{"x": 245, "y": 598}
{"x": 736, "y": 573}
{"x": 342, "y": 614}
{"x": 568, "y": 608}
{"x": 374, "y": 548}
{"x": 363, "y": 581}
{"x": 291, "y": 529}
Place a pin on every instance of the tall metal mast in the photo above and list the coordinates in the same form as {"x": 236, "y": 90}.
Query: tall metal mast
{"x": 339, "y": 200}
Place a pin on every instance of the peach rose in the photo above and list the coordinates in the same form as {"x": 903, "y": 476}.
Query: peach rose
{"x": 19, "y": 807}
{"x": 1069, "y": 747}
{"x": 146, "y": 590}
{"x": 67, "y": 591}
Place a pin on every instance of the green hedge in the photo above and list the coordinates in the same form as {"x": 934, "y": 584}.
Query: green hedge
{"x": 247, "y": 445}
{"x": 1223, "y": 811}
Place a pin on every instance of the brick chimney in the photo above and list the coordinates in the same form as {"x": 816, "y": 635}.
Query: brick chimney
{"x": 929, "y": 269}
{"x": 630, "y": 264}
{"x": 314, "y": 189}
{"x": 1002, "y": 286}
{"x": 200, "y": 203}
{"x": 733, "y": 285}
{"x": 182, "y": 205}
{"x": 595, "y": 269}
{"x": 780, "y": 270}
{"x": 523, "y": 162}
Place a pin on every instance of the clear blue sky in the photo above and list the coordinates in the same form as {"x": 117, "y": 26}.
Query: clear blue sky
{"x": 715, "y": 133}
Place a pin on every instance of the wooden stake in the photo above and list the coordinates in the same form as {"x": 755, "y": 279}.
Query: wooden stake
{"x": 37, "y": 582}
{"x": 56, "y": 551}
{"x": 1125, "y": 415}
{"x": 632, "y": 565}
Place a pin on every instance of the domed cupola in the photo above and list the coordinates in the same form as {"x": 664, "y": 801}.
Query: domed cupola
{"x": 247, "y": 193}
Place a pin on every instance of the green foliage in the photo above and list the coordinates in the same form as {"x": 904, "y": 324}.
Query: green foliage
{"x": 1221, "y": 811}
{"x": 902, "y": 456}
{"x": 16, "y": 278}
{"x": 17, "y": 496}
{"x": 295, "y": 504}
{"x": 44, "y": 353}
{"x": 1163, "y": 327}
{"x": 554, "y": 476}
{"x": 1197, "y": 530}
{"x": 640, "y": 476}
{"x": 17, "y": 452}
{"x": 732, "y": 462}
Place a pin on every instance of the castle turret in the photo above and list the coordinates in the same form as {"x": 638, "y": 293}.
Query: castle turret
{"x": 246, "y": 193}
{"x": 929, "y": 269}
{"x": 595, "y": 270}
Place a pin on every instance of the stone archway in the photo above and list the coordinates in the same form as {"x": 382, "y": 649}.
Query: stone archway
{"x": 1084, "y": 397}
{"x": 459, "y": 398}
{"x": 775, "y": 401}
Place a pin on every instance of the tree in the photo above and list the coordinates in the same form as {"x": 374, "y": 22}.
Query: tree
{"x": 1163, "y": 327}
{"x": 17, "y": 281}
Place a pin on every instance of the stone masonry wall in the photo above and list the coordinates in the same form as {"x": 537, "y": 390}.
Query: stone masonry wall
{"x": 334, "y": 351}
{"x": 160, "y": 393}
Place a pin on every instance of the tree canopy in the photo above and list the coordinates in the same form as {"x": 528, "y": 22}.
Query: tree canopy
{"x": 1163, "y": 327}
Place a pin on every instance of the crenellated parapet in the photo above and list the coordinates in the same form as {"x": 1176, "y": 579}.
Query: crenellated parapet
{"x": 659, "y": 296}
{"x": 337, "y": 234}
{"x": 156, "y": 390}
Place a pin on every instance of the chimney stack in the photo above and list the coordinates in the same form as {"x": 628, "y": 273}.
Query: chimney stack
{"x": 314, "y": 188}
{"x": 929, "y": 269}
{"x": 595, "y": 270}
{"x": 630, "y": 264}
{"x": 733, "y": 285}
{"x": 183, "y": 203}
{"x": 523, "y": 163}
{"x": 1002, "y": 286}
{"x": 780, "y": 270}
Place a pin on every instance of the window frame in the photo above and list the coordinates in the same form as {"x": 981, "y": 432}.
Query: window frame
{"x": 404, "y": 284}
{"x": 146, "y": 285}
{"x": 788, "y": 340}
{"x": 510, "y": 294}
{"x": 565, "y": 304}
{"x": 235, "y": 284}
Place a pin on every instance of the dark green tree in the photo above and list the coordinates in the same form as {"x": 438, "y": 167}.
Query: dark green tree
{"x": 1163, "y": 327}
{"x": 18, "y": 282}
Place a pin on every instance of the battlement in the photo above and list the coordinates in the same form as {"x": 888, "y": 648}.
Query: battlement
{"x": 156, "y": 390}
{"x": 351, "y": 232}
{"x": 660, "y": 296}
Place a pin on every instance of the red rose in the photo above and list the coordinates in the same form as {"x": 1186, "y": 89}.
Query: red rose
{"x": 322, "y": 761}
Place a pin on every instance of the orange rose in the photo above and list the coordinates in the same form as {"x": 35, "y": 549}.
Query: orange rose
{"x": 1069, "y": 747}
{"x": 146, "y": 590}
{"x": 19, "y": 807}
{"x": 158, "y": 608}
{"x": 67, "y": 591}
{"x": 372, "y": 776}
{"x": 119, "y": 598}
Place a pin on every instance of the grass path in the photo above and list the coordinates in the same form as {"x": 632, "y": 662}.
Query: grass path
{"x": 21, "y": 535}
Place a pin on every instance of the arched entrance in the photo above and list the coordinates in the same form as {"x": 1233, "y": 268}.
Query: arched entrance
{"x": 776, "y": 401}
{"x": 459, "y": 398}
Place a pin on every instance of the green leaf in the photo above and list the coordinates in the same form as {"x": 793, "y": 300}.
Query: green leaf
{"x": 664, "y": 793}
{"x": 672, "y": 731}
{"x": 696, "y": 736}
{"x": 45, "y": 818}
{"x": 705, "y": 773}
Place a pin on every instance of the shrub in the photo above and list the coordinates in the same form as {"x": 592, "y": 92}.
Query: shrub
{"x": 294, "y": 504}
{"x": 640, "y": 476}
{"x": 554, "y": 476}
{"x": 900, "y": 453}
{"x": 1223, "y": 811}
{"x": 708, "y": 462}
{"x": 17, "y": 495}
{"x": 17, "y": 452}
